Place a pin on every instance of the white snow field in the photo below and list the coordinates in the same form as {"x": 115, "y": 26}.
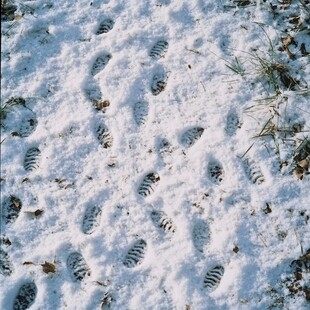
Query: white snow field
{"x": 155, "y": 154}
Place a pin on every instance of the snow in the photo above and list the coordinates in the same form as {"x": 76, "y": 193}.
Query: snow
{"x": 47, "y": 59}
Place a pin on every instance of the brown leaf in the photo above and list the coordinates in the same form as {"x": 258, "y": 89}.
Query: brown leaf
{"x": 18, "y": 17}
{"x": 297, "y": 127}
{"x": 303, "y": 164}
{"x": 101, "y": 105}
{"x": 16, "y": 202}
{"x": 287, "y": 41}
{"x": 299, "y": 173}
{"x": 48, "y": 267}
{"x": 38, "y": 212}
{"x": 236, "y": 249}
{"x": 267, "y": 209}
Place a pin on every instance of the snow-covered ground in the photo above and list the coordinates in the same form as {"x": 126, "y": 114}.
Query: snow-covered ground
{"x": 155, "y": 154}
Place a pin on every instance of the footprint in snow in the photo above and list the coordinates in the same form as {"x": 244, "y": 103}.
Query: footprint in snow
{"x": 201, "y": 235}
{"x": 215, "y": 171}
{"x": 100, "y": 63}
{"x": 159, "y": 83}
{"x": 104, "y": 136}
{"x": 91, "y": 219}
{"x": 148, "y": 184}
{"x": 136, "y": 254}
{"x": 6, "y": 265}
{"x": 161, "y": 220}
{"x": 10, "y": 209}
{"x": 213, "y": 277}
{"x": 92, "y": 91}
{"x": 106, "y": 301}
{"x": 232, "y": 123}
{"x": 164, "y": 147}
{"x": 140, "y": 112}
{"x": 159, "y": 49}
{"x": 19, "y": 119}
{"x": 27, "y": 127}
{"x": 105, "y": 26}
{"x": 191, "y": 136}
{"x": 32, "y": 159}
{"x": 26, "y": 296}
{"x": 77, "y": 266}
{"x": 253, "y": 171}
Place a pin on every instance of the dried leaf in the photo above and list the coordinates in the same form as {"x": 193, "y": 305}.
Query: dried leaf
{"x": 297, "y": 127}
{"x": 101, "y": 105}
{"x": 16, "y": 202}
{"x": 267, "y": 209}
{"x": 287, "y": 41}
{"x": 299, "y": 173}
{"x": 18, "y": 17}
{"x": 303, "y": 164}
{"x": 38, "y": 212}
{"x": 236, "y": 249}
{"x": 48, "y": 267}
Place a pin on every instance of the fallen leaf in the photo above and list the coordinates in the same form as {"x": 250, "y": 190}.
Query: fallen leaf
{"x": 18, "y": 17}
{"x": 16, "y": 202}
{"x": 299, "y": 173}
{"x": 267, "y": 209}
{"x": 303, "y": 164}
{"x": 288, "y": 40}
{"x": 236, "y": 249}
{"x": 38, "y": 212}
{"x": 48, "y": 267}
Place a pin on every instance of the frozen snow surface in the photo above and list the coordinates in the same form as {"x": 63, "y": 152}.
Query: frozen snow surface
{"x": 155, "y": 154}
